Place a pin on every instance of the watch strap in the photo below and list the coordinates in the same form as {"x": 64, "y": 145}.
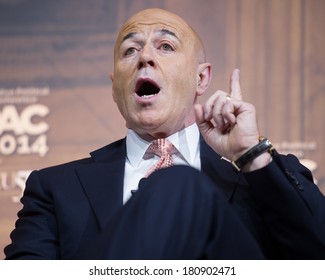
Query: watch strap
{"x": 263, "y": 146}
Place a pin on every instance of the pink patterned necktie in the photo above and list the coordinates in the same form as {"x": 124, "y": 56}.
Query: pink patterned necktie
{"x": 162, "y": 148}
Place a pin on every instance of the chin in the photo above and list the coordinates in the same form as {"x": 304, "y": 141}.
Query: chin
{"x": 149, "y": 130}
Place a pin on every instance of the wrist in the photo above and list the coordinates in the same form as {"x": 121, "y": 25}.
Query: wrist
{"x": 259, "y": 162}
{"x": 256, "y": 157}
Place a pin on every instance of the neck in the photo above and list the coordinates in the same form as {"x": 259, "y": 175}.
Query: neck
{"x": 161, "y": 133}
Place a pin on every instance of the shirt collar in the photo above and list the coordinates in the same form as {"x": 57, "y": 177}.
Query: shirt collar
{"x": 186, "y": 141}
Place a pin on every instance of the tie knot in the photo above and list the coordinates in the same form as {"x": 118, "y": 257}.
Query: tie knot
{"x": 161, "y": 147}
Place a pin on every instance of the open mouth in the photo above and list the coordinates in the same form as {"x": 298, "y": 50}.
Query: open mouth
{"x": 146, "y": 89}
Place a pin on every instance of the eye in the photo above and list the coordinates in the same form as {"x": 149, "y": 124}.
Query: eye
{"x": 166, "y": 47}
{"x": 129, "y": 51}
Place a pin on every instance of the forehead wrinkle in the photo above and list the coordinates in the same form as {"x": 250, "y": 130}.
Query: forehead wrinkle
{"x": 140, "y": 20}
{"x": 164, "y": 21}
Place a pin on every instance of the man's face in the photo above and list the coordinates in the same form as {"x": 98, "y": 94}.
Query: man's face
{"x": 156, "y": 73}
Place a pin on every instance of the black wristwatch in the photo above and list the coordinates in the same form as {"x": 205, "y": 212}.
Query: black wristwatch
{"x": 263, "y": 146}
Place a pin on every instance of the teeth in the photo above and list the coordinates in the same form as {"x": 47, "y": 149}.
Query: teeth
{"x": 147, "y": 96}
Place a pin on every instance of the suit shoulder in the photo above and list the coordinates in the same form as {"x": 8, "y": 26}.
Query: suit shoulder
{"x": 97, "y": 155}
{"x": 63, "y": 167}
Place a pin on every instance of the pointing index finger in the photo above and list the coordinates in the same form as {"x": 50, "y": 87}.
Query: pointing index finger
{"x": 235, "y": 91}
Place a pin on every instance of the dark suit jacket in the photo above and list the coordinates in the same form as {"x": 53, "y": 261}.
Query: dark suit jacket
{"x": 66, "y": 206}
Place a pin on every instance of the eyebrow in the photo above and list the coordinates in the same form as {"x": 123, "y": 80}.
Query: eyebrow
{"x": 128, "y": 36}
{"x": 167, "y": 32}
{"x": 162, "y": 32}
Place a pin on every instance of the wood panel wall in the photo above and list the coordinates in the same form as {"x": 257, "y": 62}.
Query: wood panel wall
{"x": 279, "y": 46}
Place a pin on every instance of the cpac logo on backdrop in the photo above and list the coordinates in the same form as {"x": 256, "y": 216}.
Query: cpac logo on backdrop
{"x": 23, "y": 132}
{"x": 14, "y": 180}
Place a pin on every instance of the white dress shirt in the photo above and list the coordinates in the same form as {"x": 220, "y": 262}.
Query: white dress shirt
{"x": 139, "y": 160}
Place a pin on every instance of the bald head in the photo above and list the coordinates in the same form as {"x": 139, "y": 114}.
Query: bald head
{"x": 166, "y": 22}
{"x": 159, "y": 72}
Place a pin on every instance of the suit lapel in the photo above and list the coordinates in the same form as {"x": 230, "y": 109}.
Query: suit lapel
{"x": 102, "y": 180}
{"x": 219, "y": 171}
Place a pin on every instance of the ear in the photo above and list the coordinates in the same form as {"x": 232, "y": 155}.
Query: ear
{"x": 204, "y": 78}
{"x": 111, "y": 76}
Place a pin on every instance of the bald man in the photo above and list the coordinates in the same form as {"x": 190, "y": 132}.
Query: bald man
{"x": 215, "y": 190}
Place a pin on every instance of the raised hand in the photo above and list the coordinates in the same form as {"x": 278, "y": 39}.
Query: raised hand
{"x": 228, "y": 124}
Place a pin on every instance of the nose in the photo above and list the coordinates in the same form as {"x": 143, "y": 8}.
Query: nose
{"x": 146, "y": 58}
